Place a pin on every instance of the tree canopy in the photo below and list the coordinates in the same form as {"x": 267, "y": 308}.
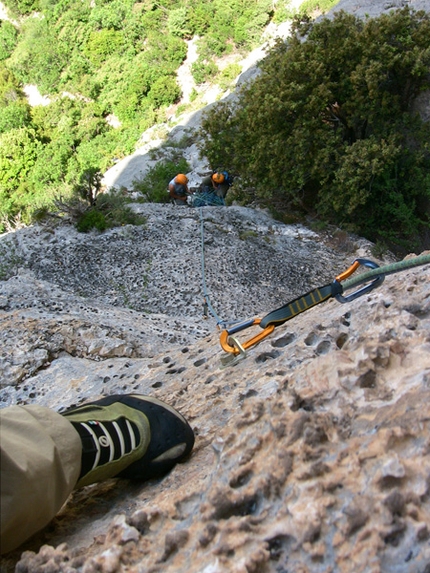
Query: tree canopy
{"x": 329, "y": 125}
{"x": 97, "y": 59}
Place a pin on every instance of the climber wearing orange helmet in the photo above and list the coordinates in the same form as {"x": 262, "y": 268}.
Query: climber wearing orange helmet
{"x": 216, "y": 183}
{"x": 178, "y": 189}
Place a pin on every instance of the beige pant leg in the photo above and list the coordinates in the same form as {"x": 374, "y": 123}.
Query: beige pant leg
{"x": 40, "y": 465}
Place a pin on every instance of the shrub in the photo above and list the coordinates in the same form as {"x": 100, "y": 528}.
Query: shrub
{"x": 115, "y": 205}
{"x": 202, "y": 70}
{"x": 309, "y": 6}
{"x": 107, "y": 210}
{"x": 178, "y": 23}
{"x": 91, "y": 219}
{"x": 39, "y": 57}
{"x": 8, "y": 39}
{"x": 103, "y": 43}
{"x": 228, "y": 75}
{"x": 14, "y": 116}
{"x": 328, "y": 126}
{"x": 164, "y": 91}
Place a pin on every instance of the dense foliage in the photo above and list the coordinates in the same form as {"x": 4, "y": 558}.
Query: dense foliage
{"x": 328, "y": 127}
{"x": 94, "y": 59}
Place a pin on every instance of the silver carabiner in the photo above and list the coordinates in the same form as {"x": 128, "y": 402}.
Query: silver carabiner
{"x": 367, "y": 288}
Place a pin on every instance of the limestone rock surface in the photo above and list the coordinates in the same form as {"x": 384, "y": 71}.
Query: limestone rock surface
{"x": 312, "y": 452}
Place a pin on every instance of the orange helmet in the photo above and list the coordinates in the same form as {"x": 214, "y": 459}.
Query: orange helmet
{"x": 181, "y": 178}
{"x": 218, "y": 178}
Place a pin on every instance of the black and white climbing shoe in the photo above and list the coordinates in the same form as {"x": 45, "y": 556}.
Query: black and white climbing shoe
{"x": 131, "y": 436}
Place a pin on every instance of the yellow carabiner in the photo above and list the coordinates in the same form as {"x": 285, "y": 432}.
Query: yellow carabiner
{"x": 226, "y": 334}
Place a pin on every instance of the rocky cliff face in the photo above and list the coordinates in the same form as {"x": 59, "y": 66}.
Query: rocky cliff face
{"x": 312, "y": 452}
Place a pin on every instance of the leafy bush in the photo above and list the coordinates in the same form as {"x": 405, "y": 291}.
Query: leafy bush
{"x": 328, "y": 125}
{"x": 115, "y": 207}
{"x": 164, "y": 91}
{"x": 309, "y": 6}
{"x": 22, "y": 7}
{"x": 90, "y": 220}
{"x": 203, "y": 70}
{"x": 178, "y": 23}
{"x": 228, "y": 75}
{"x": 103, "y": 43}
{"x": 234, "y": 24}
{"x": 8, "y": 39}
{"x": 39, "y": 57}
{"x": 91, "y": 209}
{"x": 284, "y": 11}
{"x": 10, "y": 90}
{"x": 14, "y": 116}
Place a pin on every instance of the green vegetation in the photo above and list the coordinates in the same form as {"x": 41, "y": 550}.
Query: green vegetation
{"x": 328, "y": 128}
{"x": 90, "y": 209}
{"x": 153, "y": 186}
{"x": 115, "y": 57}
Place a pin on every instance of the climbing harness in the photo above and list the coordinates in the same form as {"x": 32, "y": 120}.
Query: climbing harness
{"x": 370, "y": 279}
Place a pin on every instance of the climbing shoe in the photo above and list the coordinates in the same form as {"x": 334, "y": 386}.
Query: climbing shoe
{"x": 130, "y": 436}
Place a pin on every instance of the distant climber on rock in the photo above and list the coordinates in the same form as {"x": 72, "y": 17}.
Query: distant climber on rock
{"x": 178, "y": 189}
{"x": 45, "y": 454}
{"x": 219, "y": 183}
{"x": 212, "y": 190}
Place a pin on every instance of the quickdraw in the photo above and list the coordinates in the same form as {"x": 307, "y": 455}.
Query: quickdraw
{"x": 371, "y": 280}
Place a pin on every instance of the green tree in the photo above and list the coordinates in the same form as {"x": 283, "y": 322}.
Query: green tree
{"x": 8, "y": 39}
{"x": 50, "y": 166}
{"x": 14, "y": 116}
{"x": 203, "y": 70}
{"x": 111, "y": 15}
{"x": 328, "y": 124}
{"x": 164, "y": 91}
{"x": 102, "y": 44}
{"x": 10, "y": 89}
{"x": 23, "y": 7}
{"x": 178, "y": 23}
{"x": 39, "y": 57}
{"x": 18, "y": 152}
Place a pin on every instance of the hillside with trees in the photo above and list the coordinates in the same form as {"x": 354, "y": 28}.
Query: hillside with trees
{"x": 329, "y": 127}
{"x": 328, "y": 132}
{"x": 117, "y": 58}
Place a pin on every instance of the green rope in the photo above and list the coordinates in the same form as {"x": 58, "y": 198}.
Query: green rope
{"x": 318, "y": 295}
{"x": 386, "y": 270}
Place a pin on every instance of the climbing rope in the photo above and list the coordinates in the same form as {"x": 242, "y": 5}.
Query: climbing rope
{"x": 387, "y": 270}
{"x": 376, "y": 276}
{"x": 207, "y": 304}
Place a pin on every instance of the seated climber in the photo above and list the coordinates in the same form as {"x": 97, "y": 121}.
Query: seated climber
{"x": 219, "y": 183}
{"x": 178, "y": 189}
{"x": 45, "y": 455}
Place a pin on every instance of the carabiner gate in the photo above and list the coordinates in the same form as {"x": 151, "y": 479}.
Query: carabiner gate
{"x": 363, "y": 290}
{"x": 225, "y": 337}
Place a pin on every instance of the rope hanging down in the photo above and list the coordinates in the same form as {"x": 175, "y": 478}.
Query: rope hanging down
{"x": 208, "y": 305}
{"x": 286, "y": 312}
{"x": 205, "y": 290}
